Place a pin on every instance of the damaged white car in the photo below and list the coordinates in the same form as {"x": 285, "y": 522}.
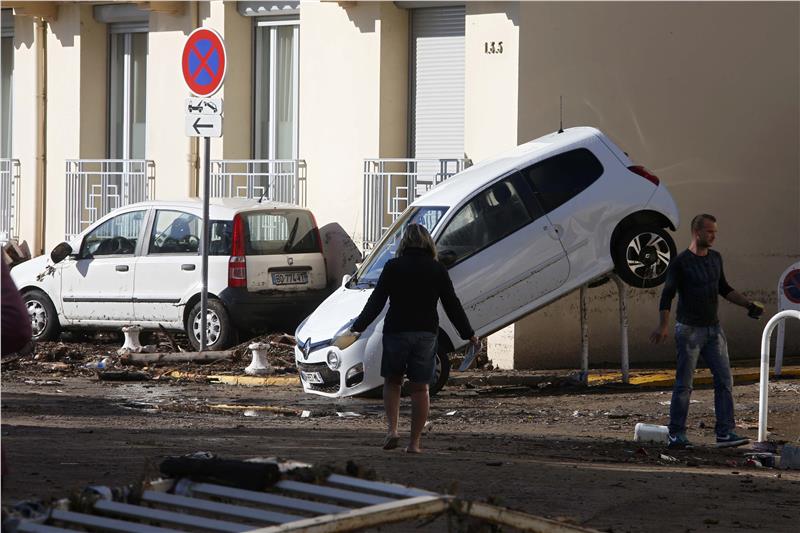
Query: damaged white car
{"x": 516, "y": 232}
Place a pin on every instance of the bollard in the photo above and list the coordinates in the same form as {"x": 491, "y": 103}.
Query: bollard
{"x": 259, "y": 365}
{"x": 131, "y": 340}
{"x": 763, "y": 392}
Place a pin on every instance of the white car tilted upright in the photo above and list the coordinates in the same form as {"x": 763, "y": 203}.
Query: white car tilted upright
{"x": 516, "y": 232}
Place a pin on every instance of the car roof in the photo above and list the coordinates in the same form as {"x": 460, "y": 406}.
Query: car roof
{"x": 219, "y": 208}
{"x": 451, "y": 191}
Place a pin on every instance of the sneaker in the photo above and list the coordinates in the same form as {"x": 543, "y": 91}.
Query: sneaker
{"x": 678, "y": 442}
{"x": 730, "y": 440}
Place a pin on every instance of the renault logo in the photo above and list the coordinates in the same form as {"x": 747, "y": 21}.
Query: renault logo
{"x": 305, "y": 347}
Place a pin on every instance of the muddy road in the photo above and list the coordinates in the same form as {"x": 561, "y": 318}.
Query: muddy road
{"x": 560, "y": 452}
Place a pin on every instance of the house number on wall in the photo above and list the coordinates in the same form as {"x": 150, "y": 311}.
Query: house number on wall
{"x": 493, "y": 47}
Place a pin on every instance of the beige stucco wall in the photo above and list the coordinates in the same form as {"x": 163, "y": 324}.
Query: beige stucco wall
{"x": 704, "y": 95}
{"x": 76, "y": 103}
{"x": 349, "y": 100}
{"x": 24, "y": 128}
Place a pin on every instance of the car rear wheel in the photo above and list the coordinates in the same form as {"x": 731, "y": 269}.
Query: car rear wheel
{"x": 442, "y": 372}
{"x": 642, "y": 255}
{"x": 44, "y": 319}
{"x": 219, "y": 331}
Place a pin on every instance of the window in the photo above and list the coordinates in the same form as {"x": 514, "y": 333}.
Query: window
{"x": 491, "y": 215}
{"x": 116, "y": 236}
{"x": 274, "y": 233}
{"x": 427, "y": 216}
{"x": 276, "y": 91}
{"x": 563, "y": 176}
{"x": 176, "y": 232}
{"x": 127, "y": 92}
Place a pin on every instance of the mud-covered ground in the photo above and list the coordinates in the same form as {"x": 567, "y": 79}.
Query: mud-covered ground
{"x": 557, "y": 451}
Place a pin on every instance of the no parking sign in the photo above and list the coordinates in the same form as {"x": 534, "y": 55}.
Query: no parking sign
{"x": 203, "y": 62}
{"x": 788, "y": 298}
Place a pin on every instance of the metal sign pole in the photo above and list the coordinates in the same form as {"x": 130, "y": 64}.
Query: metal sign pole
{"x": 204, "y": 245}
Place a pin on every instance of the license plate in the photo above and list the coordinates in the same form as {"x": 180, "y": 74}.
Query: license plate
{"x": 290, "y": 278}
{"x": 311, "y": 377}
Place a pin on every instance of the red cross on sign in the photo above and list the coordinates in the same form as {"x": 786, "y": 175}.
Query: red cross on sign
{"x": 203, "y": 62}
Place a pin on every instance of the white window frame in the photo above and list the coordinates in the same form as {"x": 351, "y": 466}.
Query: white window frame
{"x": 128, "y": 29}
{"x": 273, "y": 24}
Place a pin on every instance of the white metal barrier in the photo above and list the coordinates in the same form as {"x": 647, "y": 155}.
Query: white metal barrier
{"x": 622, "y": 294}
{"x": 9, "y": 199}
{"x": 764, "y": 384}
{"x": 391, "y": 185}
{"x": 279, "y": 180}
{"x": 96, "y": 187}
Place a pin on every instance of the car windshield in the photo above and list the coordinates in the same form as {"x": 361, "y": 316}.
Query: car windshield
{"x": 370, "y": 271}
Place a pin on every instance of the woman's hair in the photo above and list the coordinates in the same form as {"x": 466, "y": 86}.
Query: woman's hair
{"x": 416, "y": 236}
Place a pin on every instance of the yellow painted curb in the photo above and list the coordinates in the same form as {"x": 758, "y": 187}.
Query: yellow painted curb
{"x": 249, "y": 381}
{"x": 667, "y": 379}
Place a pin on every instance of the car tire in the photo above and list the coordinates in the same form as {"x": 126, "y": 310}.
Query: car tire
{"x": 219, "y": 323}
{"x": 442, "y": 371}
{"x": 44, "y": 318}
{"x": 642, "y": 255}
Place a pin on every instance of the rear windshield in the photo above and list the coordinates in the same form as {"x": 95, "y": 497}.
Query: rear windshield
{"x": 280, "y": 232}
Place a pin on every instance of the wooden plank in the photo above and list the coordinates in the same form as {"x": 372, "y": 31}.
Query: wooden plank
{"x": 365, "y": 517}
{"x": 176, "y": 357}
{"x": 108, "y": 524}
{"x": 216, "y": 507}
{"x": 35, "y": 527}
{"x": 377, "y": 486}
{"x": 170, "y": 517}
{"x": 516, "y": 519}
{"x": 332, "y": 493}
{"x": 266, "y": 498}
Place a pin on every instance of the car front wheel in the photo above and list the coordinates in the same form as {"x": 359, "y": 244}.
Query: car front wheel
{"x": 44, "y": 319}
{"x": 442, "y": 372}
{"x": 642, "y": 255}
{"x": 219, "y": 331}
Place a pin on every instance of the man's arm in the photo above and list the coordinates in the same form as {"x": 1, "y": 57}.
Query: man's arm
{"x": 667, "y": 294}
{"x": 726, "y": 291}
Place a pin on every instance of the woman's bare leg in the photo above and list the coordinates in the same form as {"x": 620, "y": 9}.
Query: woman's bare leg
{"x": 391, "y": 403}
{"x": 420, "y": 404}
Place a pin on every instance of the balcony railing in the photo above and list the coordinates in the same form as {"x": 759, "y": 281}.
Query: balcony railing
{"x": 279, "y": 180}
{"x": 391, "y": 185}
{"x": 9, "y": 199}
{"x": 96, "y": 187}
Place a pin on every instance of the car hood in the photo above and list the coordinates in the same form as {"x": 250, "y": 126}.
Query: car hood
{"x": 335, "y": 313}
{"x": 25, "y": 273}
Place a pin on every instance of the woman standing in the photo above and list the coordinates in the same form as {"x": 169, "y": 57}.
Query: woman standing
{"x": 413, "y": 282}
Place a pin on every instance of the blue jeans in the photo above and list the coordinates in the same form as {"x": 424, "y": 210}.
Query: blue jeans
{"x": 710, "y": 342}
{"x": 692, "y": 342}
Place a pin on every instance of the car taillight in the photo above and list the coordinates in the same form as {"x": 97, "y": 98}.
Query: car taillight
{"x": 316, "y": 232}
{"x": 237, "y": 264}
{"x": 646, "y": 174}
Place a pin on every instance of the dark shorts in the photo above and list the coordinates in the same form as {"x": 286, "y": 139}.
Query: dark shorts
{"x": 411, "y": 353}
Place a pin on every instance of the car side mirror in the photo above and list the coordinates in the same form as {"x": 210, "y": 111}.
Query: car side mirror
{"x": 447, "y": 257}
{"x": 345, "y": 279}
{"x": 60, "y": 252}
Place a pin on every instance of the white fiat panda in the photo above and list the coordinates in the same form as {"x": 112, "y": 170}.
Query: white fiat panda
{"x": 141, "y": 264}
{"x": 516, "y": 232}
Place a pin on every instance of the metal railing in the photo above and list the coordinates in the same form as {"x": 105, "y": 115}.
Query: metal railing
{"x": 9, "y": 199}
{"x": 96, "y": 187}
{"x": 391, "y": 185}
{"x": 279, "y": 180}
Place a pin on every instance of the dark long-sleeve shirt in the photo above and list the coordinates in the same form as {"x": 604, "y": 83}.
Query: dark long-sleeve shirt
{"x": 413, "y": 284}
{"x": 698, "y": 280}
{"x": 15, "y": 322}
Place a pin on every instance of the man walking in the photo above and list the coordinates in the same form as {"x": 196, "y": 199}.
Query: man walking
{"x": 697, "y": 276}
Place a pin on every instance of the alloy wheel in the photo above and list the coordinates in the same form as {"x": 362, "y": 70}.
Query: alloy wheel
{"x": 38, "y": 315}
{"x": 648, "y": 255}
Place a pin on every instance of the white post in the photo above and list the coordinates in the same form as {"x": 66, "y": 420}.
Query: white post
{"x": 259, "y": 365}
{"x": 764, "y": 384}
{"x": 623, "y": 327}
{"x": 584, "y": 337}
{"x": 779, "y": 347}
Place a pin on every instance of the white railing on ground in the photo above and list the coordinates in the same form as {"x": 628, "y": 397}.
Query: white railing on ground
{"x": 9, "y": 199}
{"x": 763, "y": 391}
{"x": 391, "y": 185}
{"x": 279, "y": 180}
{"x": 96, "y": 187}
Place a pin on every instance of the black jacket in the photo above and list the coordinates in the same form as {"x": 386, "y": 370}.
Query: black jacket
{"x": 413, "y": 284}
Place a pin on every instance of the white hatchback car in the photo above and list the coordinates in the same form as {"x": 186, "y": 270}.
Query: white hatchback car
{"x": 141, "y": 264}
{"x": 516, "y": 232}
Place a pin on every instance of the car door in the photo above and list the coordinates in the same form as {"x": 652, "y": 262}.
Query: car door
{"x": 169, "y": 268}
{"x": 97, "y": 286}
{"x": 501, "y": 254}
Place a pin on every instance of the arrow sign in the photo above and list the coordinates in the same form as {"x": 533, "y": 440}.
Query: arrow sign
{"x": 203, "y": 126}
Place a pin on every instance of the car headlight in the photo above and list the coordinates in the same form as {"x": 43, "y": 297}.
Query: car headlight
{"x": 333, "y": 360}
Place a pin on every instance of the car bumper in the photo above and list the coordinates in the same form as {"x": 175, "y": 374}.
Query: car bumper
{"x": 265, "y": 310}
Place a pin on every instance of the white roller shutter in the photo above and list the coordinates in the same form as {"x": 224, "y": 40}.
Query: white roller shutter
{"x": 437, "y": 82}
